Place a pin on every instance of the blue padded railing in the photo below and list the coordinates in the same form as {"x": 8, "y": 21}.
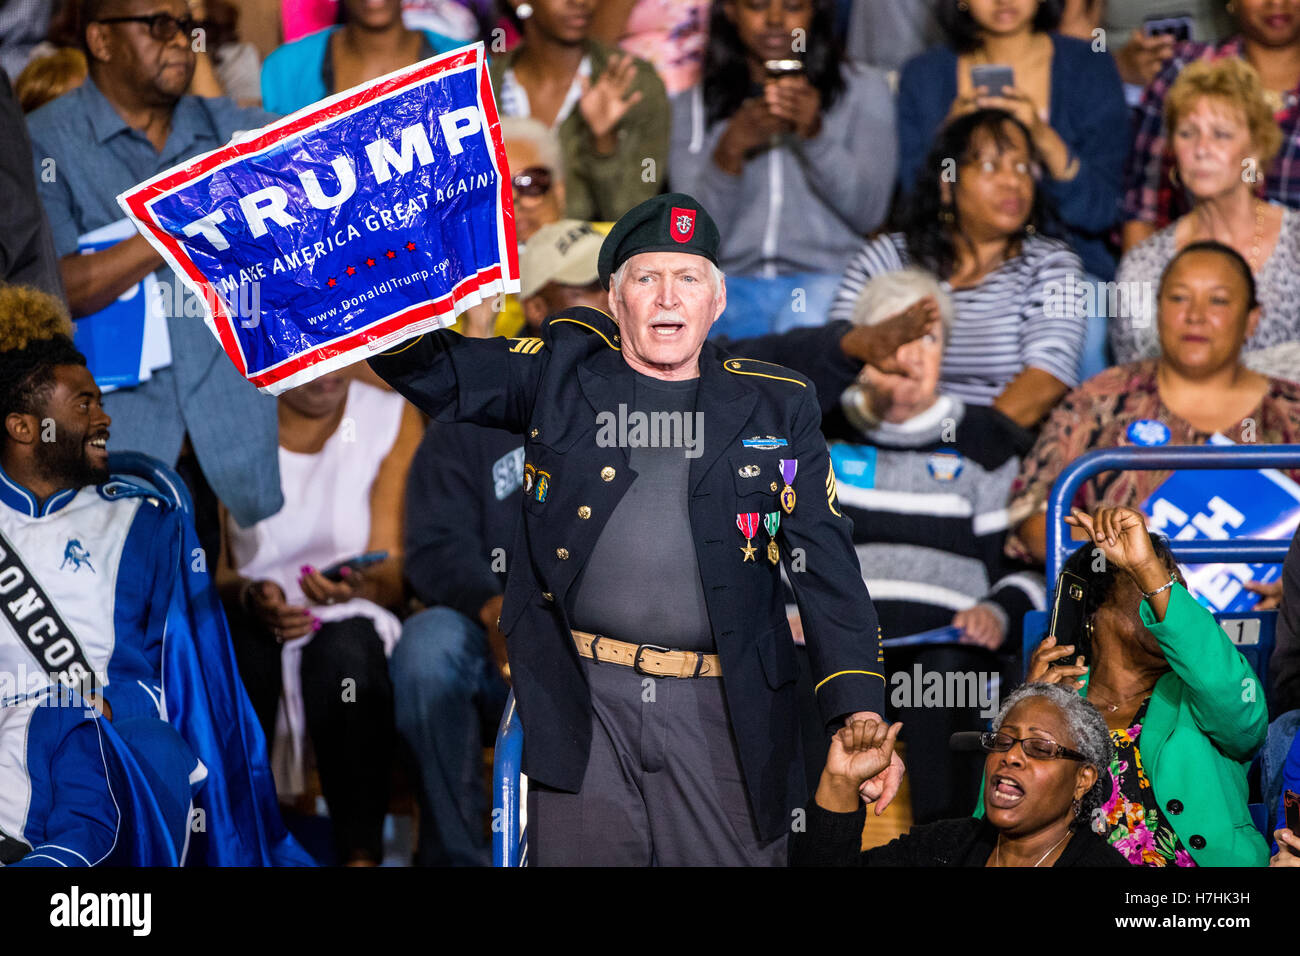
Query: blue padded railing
{"x": 509, "y": 841}
{"x": 1174, "y": 458}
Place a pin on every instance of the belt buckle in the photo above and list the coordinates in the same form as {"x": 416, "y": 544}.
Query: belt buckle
{"x": 642, "y": 648}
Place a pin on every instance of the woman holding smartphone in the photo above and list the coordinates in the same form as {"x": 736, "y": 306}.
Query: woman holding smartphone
{"x": 1008, "y": 55}
{"x": 792, "y": 150}
{"x": 312, "y": 649}
{"x": 1172, "y": 689}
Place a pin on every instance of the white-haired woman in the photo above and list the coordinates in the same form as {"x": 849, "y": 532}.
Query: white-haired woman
{"x": 1044, "y": 772}
{"x": 925, "y": 478}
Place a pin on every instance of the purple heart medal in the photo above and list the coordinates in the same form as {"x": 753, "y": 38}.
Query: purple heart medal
{"x": 789, "y": 467}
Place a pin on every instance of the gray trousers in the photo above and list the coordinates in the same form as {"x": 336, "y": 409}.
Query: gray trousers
{"x": 663, "y": 785}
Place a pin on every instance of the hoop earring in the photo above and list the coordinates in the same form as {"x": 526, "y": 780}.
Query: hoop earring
{"x": 524, "y": 11}
{"x": 1174, "y": 177}
{"x": 963, "y": 6}
{"x": 1030, "y": 229}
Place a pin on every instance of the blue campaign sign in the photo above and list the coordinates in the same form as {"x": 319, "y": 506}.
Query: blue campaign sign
{"x": 360, "y": 221}
{"x": 1221, "y": 505}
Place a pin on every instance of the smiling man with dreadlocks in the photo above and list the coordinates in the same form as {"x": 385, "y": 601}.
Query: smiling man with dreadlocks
{"x": 104, "y": 589}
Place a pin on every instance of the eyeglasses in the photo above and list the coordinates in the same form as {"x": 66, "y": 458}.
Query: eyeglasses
{"x": 162, "y": 26}
{"x": 532, "y": 182}
{"x": 1040, "y": 748}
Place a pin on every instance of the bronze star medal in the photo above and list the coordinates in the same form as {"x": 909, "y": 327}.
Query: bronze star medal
{"x": 747, "y": 522}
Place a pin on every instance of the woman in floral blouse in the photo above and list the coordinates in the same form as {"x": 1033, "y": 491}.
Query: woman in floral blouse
{"x": 1176, "y": 695}
{"x": 1197, "y": 387}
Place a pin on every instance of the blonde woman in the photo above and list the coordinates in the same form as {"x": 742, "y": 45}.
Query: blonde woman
{"x": 1223, "y": 136}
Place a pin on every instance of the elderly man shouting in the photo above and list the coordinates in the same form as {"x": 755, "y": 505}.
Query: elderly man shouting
{"x": 644, "y": 619}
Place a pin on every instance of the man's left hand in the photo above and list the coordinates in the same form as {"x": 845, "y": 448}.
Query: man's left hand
{"x": 877, "y": 345}
{"x": 883, "y": 787}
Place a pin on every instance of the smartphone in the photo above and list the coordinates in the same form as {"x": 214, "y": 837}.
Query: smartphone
{"x": 1179, "y": 26}
{"x": 335, "y": 571}
{"x": 1291, "y": 803}
{"x": 779, "y": 68}
{"x": 1068, "y": 613}
{"x": 996, "y": 77}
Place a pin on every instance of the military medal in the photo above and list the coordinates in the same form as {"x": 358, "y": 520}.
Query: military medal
{"x": 747, "y": 522}
{"x": 772, "y": 521}
{"x": 789, "y": 467}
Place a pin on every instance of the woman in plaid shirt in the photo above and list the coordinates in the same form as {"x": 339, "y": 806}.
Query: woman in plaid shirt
{"x": 1270, "y": 42}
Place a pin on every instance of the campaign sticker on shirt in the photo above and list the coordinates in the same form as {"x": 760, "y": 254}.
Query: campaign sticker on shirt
{"x": 944, "y": 465}
{"x": 854, "y": 465}
{"x": 1149, "y": 432}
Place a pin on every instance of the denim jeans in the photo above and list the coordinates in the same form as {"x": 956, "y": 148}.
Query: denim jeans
{"x": 449, "y": 697}
{"x": 757, "y": 306}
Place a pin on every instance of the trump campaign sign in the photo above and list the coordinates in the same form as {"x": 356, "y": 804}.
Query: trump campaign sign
{"x": 358, "y": 222}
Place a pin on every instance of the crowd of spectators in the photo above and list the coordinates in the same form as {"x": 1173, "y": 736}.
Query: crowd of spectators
{"x": 1060, "y": 228}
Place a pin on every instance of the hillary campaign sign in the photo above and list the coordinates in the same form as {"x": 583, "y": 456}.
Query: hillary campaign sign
{"x": 360, "y": 221}
{"x": 1203, "y": 504}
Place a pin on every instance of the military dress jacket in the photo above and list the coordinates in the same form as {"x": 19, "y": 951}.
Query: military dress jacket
{"x": 552, "y": 390}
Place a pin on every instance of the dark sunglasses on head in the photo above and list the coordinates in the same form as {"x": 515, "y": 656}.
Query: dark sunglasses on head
{"x": 162, "y": 26}
{"x": 533, "y": 181}
{"x": 1040, "y": 748}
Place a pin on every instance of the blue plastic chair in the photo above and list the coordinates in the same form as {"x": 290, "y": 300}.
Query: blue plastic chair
{"x": 509, "y": 839}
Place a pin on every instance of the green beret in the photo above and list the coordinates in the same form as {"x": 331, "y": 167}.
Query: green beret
{"x": 673, "y": 222}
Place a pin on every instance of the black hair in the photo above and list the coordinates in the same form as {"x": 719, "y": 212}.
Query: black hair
{"x": 726, "y": 81}
{"x": 1219, "y": 248}
{"x": 27, "y": 376}
{"x": 35, "y": 338}
{"x": 964, "y": 33}
{"x": 920, "y": 216}
{"x": 1101, "y": 578}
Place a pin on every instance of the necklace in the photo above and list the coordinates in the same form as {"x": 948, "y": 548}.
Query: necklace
{"x": 1257, "y": 241}
{"x": 1123, "y": 700}
{"x": 1258, "y": 244}
{"x": 997, "y": 850}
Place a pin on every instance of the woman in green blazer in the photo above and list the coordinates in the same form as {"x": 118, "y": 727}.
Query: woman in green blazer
{"x": 1185, "y": 710}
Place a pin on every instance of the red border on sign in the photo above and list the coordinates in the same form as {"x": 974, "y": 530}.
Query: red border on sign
{"x": 139, "y": 202}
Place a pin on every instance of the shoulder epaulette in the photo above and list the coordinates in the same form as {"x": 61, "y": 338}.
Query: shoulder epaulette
{"x": 748, "y": 366}
{"x": 591, "y": 321}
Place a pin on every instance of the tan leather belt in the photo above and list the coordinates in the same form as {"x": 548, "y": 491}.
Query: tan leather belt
{"x": 649, "y": 659}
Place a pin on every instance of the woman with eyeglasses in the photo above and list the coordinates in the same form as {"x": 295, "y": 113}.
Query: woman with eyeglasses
{"x": 368, "y": 42}
{"x": 1184, "y": 709}
{"x": 1043, "y": 776}
{"x": 977, "y": 219}
{"x": 1007, "y": 54}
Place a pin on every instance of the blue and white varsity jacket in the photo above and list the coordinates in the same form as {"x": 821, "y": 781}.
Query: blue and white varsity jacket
{"x": 126, "y": 587}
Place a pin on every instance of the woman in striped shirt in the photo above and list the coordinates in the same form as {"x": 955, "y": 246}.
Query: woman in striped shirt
{"x": 976, "y": 220}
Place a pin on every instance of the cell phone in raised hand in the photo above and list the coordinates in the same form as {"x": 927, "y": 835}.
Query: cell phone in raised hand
{"x": 996, "y": 78}
{"x": 1068, "y": 613}
{"x": 776, "y": 69}
{"x": 335, "y": 571}
{"x": 1180, "y": 26}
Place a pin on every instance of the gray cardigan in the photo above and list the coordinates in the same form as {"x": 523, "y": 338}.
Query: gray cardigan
{"x": 804, "y": 205}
